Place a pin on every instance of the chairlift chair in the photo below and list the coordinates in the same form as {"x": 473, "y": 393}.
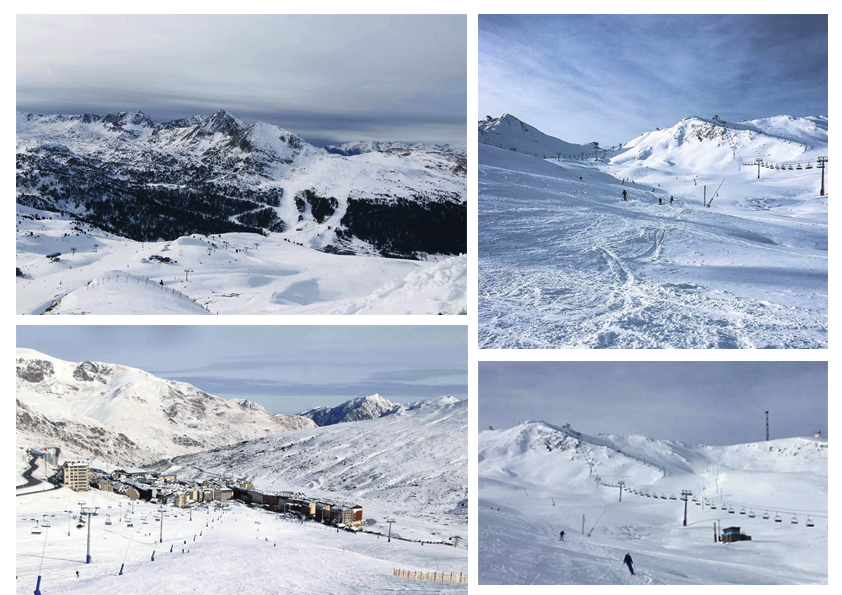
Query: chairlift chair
{"x": 790, "y": 166}
{"x": 794, "y": 520}
{"x": 45, "y": 523}
{"x": 751, "y": 514}
{"x": 798, "y": 166}
{"x": 36, "y": 530}
{"x": 766, "y": 515}
{"x": 808, "y": 166}
{"x": 778, "y": 518}
{"x": 698, "y": 503}
{"x": 810, "y": 522}
{"x": 108, "y": 520}
{"x": 673, "y": 498}
{"x": 712, "y": 506}
{"x": 743, "y": 510}
{"x": 731, "y": 510}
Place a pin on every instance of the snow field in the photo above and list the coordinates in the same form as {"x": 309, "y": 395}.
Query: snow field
{"x": 241, "y": 550}
{"x": 227, "y": 274}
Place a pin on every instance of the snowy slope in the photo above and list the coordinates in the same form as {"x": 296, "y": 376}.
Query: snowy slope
{"x": 369, "y": 407}
{"x": 239, "y": 550}
{"x": 536, "y": 479}
{"x": 564, "y": 262}
{"x": 149, "y": 181}
{"x": 412, "y": 463}
{"x": 507, "y": 132}
{"x": 124, "y": 416}
{"x": 100, "y": 273}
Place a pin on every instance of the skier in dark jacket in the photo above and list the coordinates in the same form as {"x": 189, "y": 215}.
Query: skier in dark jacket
{"x": 561, "y": 536}
{"x": 624, "y": 195}
{"x": 671, "y": 200}
{"x": 660, "y": 200}
{"x": 628, "y": 562}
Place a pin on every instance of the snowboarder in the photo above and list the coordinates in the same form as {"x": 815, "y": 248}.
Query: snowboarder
{"x": 77, "y": 574}
{"x": 628, "y": 562}
{"x": 561, "y": 536}
{"x": 660, "y": 200}
{"x": 624, "y": 194}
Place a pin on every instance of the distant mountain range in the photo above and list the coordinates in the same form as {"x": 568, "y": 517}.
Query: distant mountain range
{"x": 145, "y": 180}
{"x": 362, "y": 408}
{"x": 691, "y": 144}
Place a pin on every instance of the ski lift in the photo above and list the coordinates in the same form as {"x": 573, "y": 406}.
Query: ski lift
{"x": 45, "y": 523}
{"x": 778, "y": 518}
{"x": 810, "y": 522}
{"x": 790, "y": 166}
{"x": 798, "y": 166}
{"x": 766, "y": 515}
{"x": 712, "y": 506}
{"x": 663, "y": 496}
{"x": 808, "y": 166}
{"x": 673, "y": 498}
{"x": 80, "y": 525}
{"x": 794, "y": 520}
{"x": 108, "y": 519}
{"x": 743, "y": 511}
{"x": 36, "y": 530}
{"x": 730, "y": 510}
{"x": 698, "y": 503}
{"x": 751, "y": 514}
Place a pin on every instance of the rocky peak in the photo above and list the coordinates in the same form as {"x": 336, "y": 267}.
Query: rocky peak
{"x": 34, "y": 370}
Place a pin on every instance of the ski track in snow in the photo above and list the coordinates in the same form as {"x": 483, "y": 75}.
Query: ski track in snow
{"x": 565, "y": 263}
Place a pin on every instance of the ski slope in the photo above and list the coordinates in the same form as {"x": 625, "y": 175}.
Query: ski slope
{"x": 564, "y": 262}
{"x": 236, "y": 273}
{"x": 411, "y": 465}
{"x": 537, "y": 479}
{"x": 240, "y": 550}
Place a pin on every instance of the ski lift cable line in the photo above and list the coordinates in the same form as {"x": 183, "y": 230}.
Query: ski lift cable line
{"x": 730, "y": 502}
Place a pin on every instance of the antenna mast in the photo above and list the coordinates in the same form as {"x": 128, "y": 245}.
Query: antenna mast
{"x": 767, "y": 426}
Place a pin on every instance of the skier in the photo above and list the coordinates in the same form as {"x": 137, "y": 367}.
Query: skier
{"x": 628, "y": 562}
{"x": 671, "y": 199}
{"x": 660, "y": 200}
{"x": 77, "y": 574}
{"x": 624, "y": 194}
{"x": 561, "y": 536}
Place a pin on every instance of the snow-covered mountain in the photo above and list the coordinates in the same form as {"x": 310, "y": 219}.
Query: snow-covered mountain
{"x": 369, "y": 407}
{"x": 412, "y": 462}
{"x": 246, "y": 404}
{"x": 710, "y": 144}
{"x": 702, "y": 254}
{"x": 352, "y": 148}
{"x": 122, "y": 415}
{"x": 565, "y": 474}
{"x": 507, "y": 132}
{"x": 147, "y": 181}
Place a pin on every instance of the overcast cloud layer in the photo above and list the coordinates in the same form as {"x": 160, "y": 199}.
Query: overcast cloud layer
{"x": 287, "y": 369}
{"x": 609, "y": 78}
{"x": 327, "y": 78}
{"x": 714, "y": 403}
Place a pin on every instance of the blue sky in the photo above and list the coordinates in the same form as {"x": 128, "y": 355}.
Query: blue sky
{"x": 329, "y": 78}
{"x": 609, "y": 78}
{"x": 287, "y": 369}
{"x": 714, "y": 403}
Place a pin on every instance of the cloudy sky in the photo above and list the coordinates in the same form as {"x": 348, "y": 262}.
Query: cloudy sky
{"x": 609, "y": 78}
{"x": 327, "y": 78}
{"x": 287, "y": 369}
{"x": 714, "y": 403}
